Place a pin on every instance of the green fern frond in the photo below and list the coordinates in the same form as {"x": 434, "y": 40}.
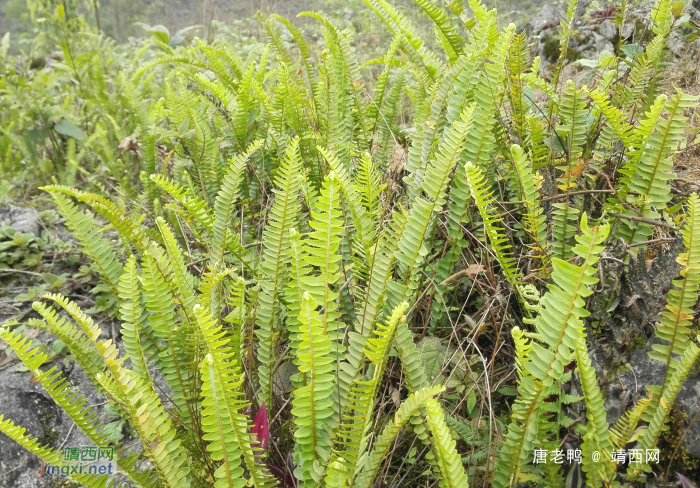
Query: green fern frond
{"x": 322, "y": 251}
{"x": 305, "y": 55}
{"x": 49, "y": 455}
{"x": 379, "y": 266}
{"x": 150, "y": 420}
{"x": 534, "y": 220}
{"x": 75, "y": 340}
{"x": 226, "y": 427}
{"x": 643, "y": 68}
{"x": 351, "y": 441}
{"x": 651, "y": 164}
{"x": 238, "y": 318}
{"x": 500, "y": 244}
{"x": 614, "y": 116}
{"x": 480, "y": 142}
{"x": 446, "y": 32}
{"x": 223, "y": 206}
{"x": 185, "y": 283}
{"x": 172, "y": 359}
{"x": 127, "y": 228}
{"x": 554, "y": 324}
{"x": 517, "y": 64}
{"x": 425, "y": 59}
{"x": 133, "y": 317}
{"x": 597, "y": 437}
{"x": 559, "y": 328}
{"x": 572, "y": 109}
{"x": 623, "y": 430}
{"x": 212, "y": 290}
{"x": 429, "y": 117}
{"x": 573, "y": 128}
{"x": 520, "y": 439}
{"x": 380, "y": 87}
{"x": 369, "y": 186}
{"x": 523, "y": 347}
{"x": 564, "y": 38}
{"x": 186, "y": 60}
{"x": 195, "y": 206}
{"x": 412, "y": 246}
{"x": 244, "y": 106}
{"x": 86, "y": 230}
{"x": 451, "y": 469}
{"x": 354, "y": 200}
{"x": 273, "y": 264}
{"x": 649, "y": 438}
{"x": 71, "y": 401}
{"x": 410, "y": 407}
{"x": 217, "y": 55}
{"x": 136, "y": 397}
{"x": 674, "y": 330}
{"x": 312, "y": 406}
{"x": 413, "y": 365}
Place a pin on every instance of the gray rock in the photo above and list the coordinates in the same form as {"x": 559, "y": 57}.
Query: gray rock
{"x": 676, "y": 44}
{"x": 21, "y": 219}
{"x": 597, "y": 44}
{"x": 546, "y": 18}
{"x": 694, "y": 9}
{"x": 646, "y": 371}
{"x": 627, "y": 31}
{"x": 282, "y": 384}
{"x": 607, "y": 29}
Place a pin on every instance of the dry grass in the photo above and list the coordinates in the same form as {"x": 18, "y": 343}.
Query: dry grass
{"x": 685, "y": 74}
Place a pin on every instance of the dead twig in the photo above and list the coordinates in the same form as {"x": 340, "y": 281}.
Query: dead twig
{"x": 557, "y": 197}
{"x": 645, "y": 220}
{"x": 653, "y": 241}
{"x": 10, "y": 270}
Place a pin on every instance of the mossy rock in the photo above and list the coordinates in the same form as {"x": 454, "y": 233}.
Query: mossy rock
{"x": 550, "y": 48}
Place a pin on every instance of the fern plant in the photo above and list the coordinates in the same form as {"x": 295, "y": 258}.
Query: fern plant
{"x": 266, "y": 212}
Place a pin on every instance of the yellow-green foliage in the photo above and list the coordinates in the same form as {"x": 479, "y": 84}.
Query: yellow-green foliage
{"x": 271, "y": 209}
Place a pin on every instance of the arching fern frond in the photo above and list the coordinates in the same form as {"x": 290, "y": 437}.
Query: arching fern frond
{"x": 223, "y": 206}
{"x": 71, "y": 401}
{"x": 86, "y": 230}
{"x": 559, "y": 328}
{"x": 49, "y": 455}
{"x": 447, "y": 34}
{"x": 410, "y": 407}
{"x": 623, "y": 430}
{"x": 500, "y": 244}
{"x": 674, "y": 347}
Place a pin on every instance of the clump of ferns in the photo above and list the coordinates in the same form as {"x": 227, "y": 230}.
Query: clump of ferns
{"x": 287, "y": 224}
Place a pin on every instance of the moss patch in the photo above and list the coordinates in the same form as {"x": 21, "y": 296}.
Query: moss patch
{"x": 673, "y": 457}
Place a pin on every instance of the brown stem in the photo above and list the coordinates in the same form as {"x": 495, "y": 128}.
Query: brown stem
{"x": 645, "y": 220}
